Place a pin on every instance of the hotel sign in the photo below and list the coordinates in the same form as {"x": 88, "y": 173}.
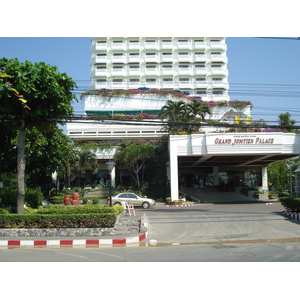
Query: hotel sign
{"x": 244, "y": 143}
{"x": 244, "y": 140}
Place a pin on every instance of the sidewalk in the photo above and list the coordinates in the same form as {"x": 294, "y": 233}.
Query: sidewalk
{"x": 127, "y": 230}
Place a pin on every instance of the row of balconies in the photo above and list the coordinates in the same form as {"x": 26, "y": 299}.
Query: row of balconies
{"x": 221, "y": 72}
{"x": 189, "y": 70}
{"x": 126, "y": 58}
{"x": 157, "y": 44}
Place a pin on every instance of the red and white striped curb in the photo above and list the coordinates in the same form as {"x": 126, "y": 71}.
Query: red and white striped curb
{"x": 75, "y": 242}
{"x": 292, "y": 214}
{"x": 179, "y": 205}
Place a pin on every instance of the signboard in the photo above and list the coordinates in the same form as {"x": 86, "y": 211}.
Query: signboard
{"x": 244, "y": 142}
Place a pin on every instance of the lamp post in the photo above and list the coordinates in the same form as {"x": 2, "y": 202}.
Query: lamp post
{"x": 110, "y": 165}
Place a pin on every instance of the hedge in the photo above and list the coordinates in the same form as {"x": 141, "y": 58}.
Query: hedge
{"x": 85, "y": 209}
{"x": 290, "y": 203}
{"x": 58, "y": 220}
{"x": 87, "y": 216}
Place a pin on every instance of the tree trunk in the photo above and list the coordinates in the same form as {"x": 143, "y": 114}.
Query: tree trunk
{"x": 21, "y": 168}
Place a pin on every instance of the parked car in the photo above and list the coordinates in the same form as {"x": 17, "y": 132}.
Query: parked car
{"x": 133, "y": 199}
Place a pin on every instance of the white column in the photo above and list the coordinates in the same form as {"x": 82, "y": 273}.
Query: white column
{"x": 216, "y": 176}
{"x": 264, "y": 177}
{"x": 174, "y": 173}
{"x": 113, "y": 177}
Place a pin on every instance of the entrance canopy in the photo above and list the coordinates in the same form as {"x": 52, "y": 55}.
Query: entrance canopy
{"x": 228, "y": 151}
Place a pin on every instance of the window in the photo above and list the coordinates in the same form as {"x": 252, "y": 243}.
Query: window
{"x": 217, "y": 79}
{"x": 117, "y": 80}
{"x": 201, "y": 92}
{"x": 150, "y": 41}
{"x": 117, "y": 67}
{"x": 150, "y": 67}
{"x": 101, "y": 42}
{"x": 198, "y": 41}
{"x": 101, "y": 54}
{"x": 216, "y": 53}
{"x": 133, "y": 54}
{"x": 133, "y": 41}
{"x": 101, "y": 80}
{"x": 184, "y": 79}
{"x": 134, "y": 80}
{"x": 150, "y": 54}
{"x": 184, "y": 66}
{"x": 118, "y": 54}
{"x": 215, "y": 41}
{"x": 200, "y": 66}
{"x": 150, "y": 80}
{"x": 168, "y": 79}
{"x": 199, "y": 53}
{"x": 167, "y": 53}
{"x": 200, "y": 79}
{"x": 118, "y": 42}
{"x": 101, "y": 68}
{"x": 182, "y": 41}
{"x": 167, "y": 41}
{"x": 217, "y": 93}
{"x": 167, "y": 66}
{"x": 216, "y": 66}
{"x": 134, "y": 67}
{"x": 183, "y": 53}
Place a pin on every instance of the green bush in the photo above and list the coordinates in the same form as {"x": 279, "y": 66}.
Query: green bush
{"x": 58, "y": 220}
{"x": 56, "y": 200}
{"x": 290, "y": 203}
{"x": 3, "y": 211}
{"x": 85, "y": 209}
{"x": 34, "y": 198}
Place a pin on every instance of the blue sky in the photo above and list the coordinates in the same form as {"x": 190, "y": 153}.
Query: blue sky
{"x": 264, "y": 71}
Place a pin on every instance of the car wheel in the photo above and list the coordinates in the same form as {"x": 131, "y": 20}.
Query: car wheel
{"x": 145, "y": 205}
{"x": 117, "y": 203}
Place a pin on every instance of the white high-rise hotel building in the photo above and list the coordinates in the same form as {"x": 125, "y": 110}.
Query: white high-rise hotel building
{"x": 195, "y": 65}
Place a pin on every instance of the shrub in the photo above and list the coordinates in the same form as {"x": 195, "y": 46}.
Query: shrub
{"x": 34, "y": 198}
{"x": 290, "y": 203}
{"x": 3, "y": 211}
{"x": 57, "y": 220}
{"x": 85, "y": 209}
{"x": 56, "y": 200}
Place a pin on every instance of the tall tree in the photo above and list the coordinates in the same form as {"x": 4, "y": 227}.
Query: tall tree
{"x": 133, "y": 156}
{"x": 30, "y": 94}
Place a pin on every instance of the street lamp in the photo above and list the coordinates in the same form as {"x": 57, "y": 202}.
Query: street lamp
{"x": 110, "y": 165}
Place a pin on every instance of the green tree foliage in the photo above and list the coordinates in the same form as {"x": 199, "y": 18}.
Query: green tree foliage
{"x": 133, "y": 156}
{"x": 281, "y": 174}
{"x": 47, "y": 95}
{"x": 184, "y": 116}
{"x": 84, "y": 159}
{"x": 285, "y": 120}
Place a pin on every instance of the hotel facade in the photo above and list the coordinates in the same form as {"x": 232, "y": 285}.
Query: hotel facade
{"x": 196, "y": 67}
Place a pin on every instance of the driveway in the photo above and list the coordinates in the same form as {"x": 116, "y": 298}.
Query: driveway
{"x": 220, "y": 222}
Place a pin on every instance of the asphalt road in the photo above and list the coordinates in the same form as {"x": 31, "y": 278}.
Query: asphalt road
{"x": 201, "y": 233}
{"x": 221, "y": 222}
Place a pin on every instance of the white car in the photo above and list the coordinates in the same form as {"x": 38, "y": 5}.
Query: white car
{"x": 133, "y": 199}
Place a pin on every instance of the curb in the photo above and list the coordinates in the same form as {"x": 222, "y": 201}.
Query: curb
{"x": 82, "y": 242}
{"x": 292, "y": 214}
{"x": 179, "y": 205}
{"x": 75, "y": 242}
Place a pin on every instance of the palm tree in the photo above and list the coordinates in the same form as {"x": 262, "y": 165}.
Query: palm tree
{"x": 85, "y": 159}
{"x": 196, "y": 111}
{"x": 285, "y": 120}
{"x": 180, "y": 112}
